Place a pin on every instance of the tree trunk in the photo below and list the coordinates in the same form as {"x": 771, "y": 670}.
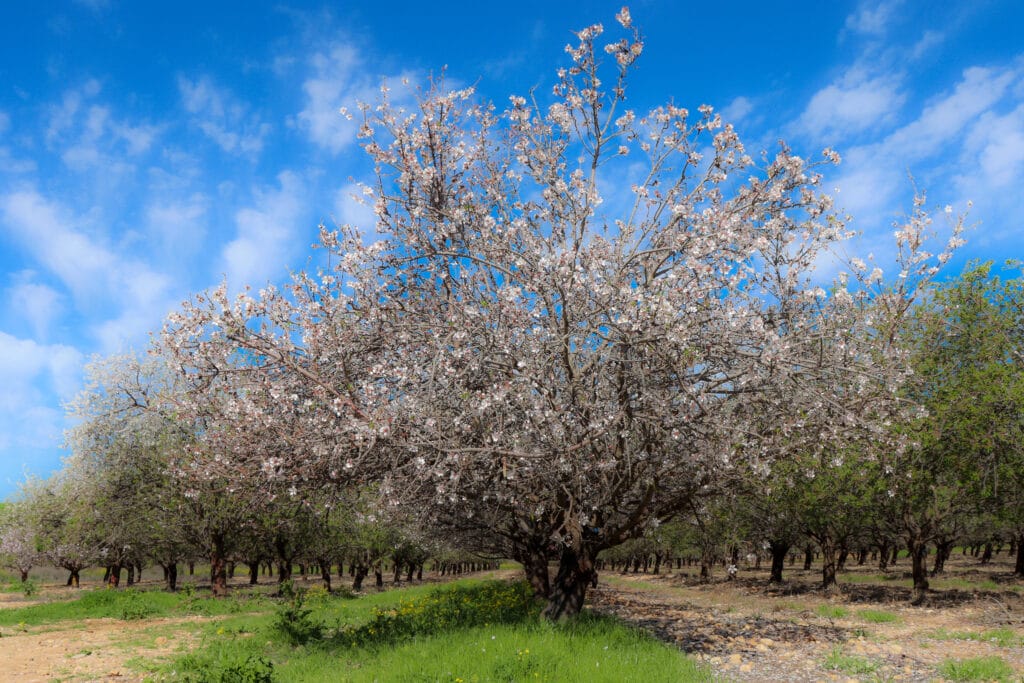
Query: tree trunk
{"x": 24, "y": 575}
{"x": 325, "y": 572}
{"x": 284, "y": 571}
{"x": 254, "y": 573}
{"x": 883, "y": 556}
{"x": 131, "y": 574}
{"x": 378, "y": 575}
{"x": 986, "y": 556}
{"x": 942, "y": 552}
{"x": 1018, "y": 567}
{"x": 778, "y": 550}
{"x": 829, "y": 564}
{"x": 171, "y": 575}
{"x": 569, "y": 589}
{"x": 114, "y": 575}
{"x": 535, "y": 564}
{"x": 808, "y": 556}
{"x": 918, "y": 552}
{"x": 359, "y": 573}
{"x": 73, "y": 580}
{"x": 218, "y": 567}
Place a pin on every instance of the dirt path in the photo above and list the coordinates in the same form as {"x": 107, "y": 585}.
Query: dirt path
{"x": 746, "y": 633}
{"x": 89, "y": 650}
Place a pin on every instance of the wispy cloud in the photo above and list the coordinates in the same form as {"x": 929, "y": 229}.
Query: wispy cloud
{"x": 32, "y": 375}
{"x": 266, "y": 234}
{"x": 39, "y": 304}
{"x": 872, "y": 18}
{"x": 857, "y": 101}
{"x": 222, "y": 117}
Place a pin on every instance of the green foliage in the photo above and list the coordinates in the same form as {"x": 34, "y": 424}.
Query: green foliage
{"x": 1001, "y": 637}
{"x": 876, "y": 616}
{"x": 459, "y": 606}
{"x": 977, "y": 669}
{"x": 849, "y": 664}
{"x": 235, "y": 668}
{"x": 832, "y": 611}
{"x": 293, "y": 619}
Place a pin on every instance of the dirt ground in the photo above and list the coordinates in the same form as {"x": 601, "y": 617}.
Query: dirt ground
{"x": 89, "y": 650}
{"x": 743, "y": 629}
{"x": 748, "y": 631}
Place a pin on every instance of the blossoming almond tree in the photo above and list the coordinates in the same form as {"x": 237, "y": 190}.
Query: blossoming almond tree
{"x": 579, "y": 298}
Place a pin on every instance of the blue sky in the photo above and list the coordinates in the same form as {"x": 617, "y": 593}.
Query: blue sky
{"x": 148, "y": 151}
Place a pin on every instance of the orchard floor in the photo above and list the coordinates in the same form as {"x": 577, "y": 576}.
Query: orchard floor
{"x": 743, "y": 629}
{"x": 747, "y": 631}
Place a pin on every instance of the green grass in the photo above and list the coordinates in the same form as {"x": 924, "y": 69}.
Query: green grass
{"x": 877, "y": 616}
{"x": 1001, "y": 637}
{"x": 127, "y": 604}
{"x": 849, "y": 664}
{"x": 976, "y": 669}
{"x": 468, "y": 631}
{"x": 832, "y": 611}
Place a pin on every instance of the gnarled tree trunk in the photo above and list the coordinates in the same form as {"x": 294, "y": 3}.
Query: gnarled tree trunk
{"x": 576, "y": 573}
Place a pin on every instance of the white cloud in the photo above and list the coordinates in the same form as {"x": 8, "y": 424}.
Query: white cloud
{"x": 98, "y": 277}
{"x": 335, "y": 83}
{"x": 947, "y": 116}
{"x": 89, "y": 136}
{"x": 47, "y": 232}
{"x": 222, "y": 117}
{"x": 872, "y": 18}
{"x": 34, "y": 379}
{"x": 38, "y": 304}
{"x": 853, "y": 104}
{"x": 266, "y": 234}
{"x": 928, "y": 41}
{"x": 178, "y": 226}
{"x": 737, "y": 110}
{"x": 341, "y": 79}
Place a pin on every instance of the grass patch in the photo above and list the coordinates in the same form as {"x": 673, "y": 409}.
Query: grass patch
{"x": 976, "y": 669}
{"x": 130, "y": 604}
{"x": 467, "y": 631}
{"x": 832, "y": 611}
{"x": 849, "y": 664}
{"x": 877, "y": 616}
{"x": 1001, "y": 637}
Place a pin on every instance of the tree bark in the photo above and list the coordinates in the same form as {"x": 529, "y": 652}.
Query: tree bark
{"x": 569, "y": 589}
{"x": 218, "y": 567}
{"x": 942, "y": 552}
{"x": 829, "y": 564}
{"x": 918, "y": 552}
{"x": 1018, "y": 567}
{"x": 359, "y": 572}
{"x": 779, "y": 549}
{"x": 808, "y": 556}
{"x": 171, "y": 575}
{"x": 114, "y": 575}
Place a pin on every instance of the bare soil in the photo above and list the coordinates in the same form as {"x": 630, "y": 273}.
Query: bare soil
{"x": 746, "y": 630}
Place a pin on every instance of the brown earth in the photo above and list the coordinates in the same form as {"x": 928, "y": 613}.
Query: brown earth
{"x": 747, "y": 631}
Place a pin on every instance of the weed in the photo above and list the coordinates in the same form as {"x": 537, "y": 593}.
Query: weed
{"x": 976, "y": 669}
{"x": 875, "y": 616}
{"x": 832, "y": 611}
{"x": 294, "y": 620}
{"x": 849, "y": 664}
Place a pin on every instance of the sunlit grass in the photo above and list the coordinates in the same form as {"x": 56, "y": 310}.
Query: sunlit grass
{"x": 468, "y": 631}
{"x": 977, "y": 669}
{"x": 837, "y": 660}
{"x": 832, "y": 611}
{"x": 876, "y": 616}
